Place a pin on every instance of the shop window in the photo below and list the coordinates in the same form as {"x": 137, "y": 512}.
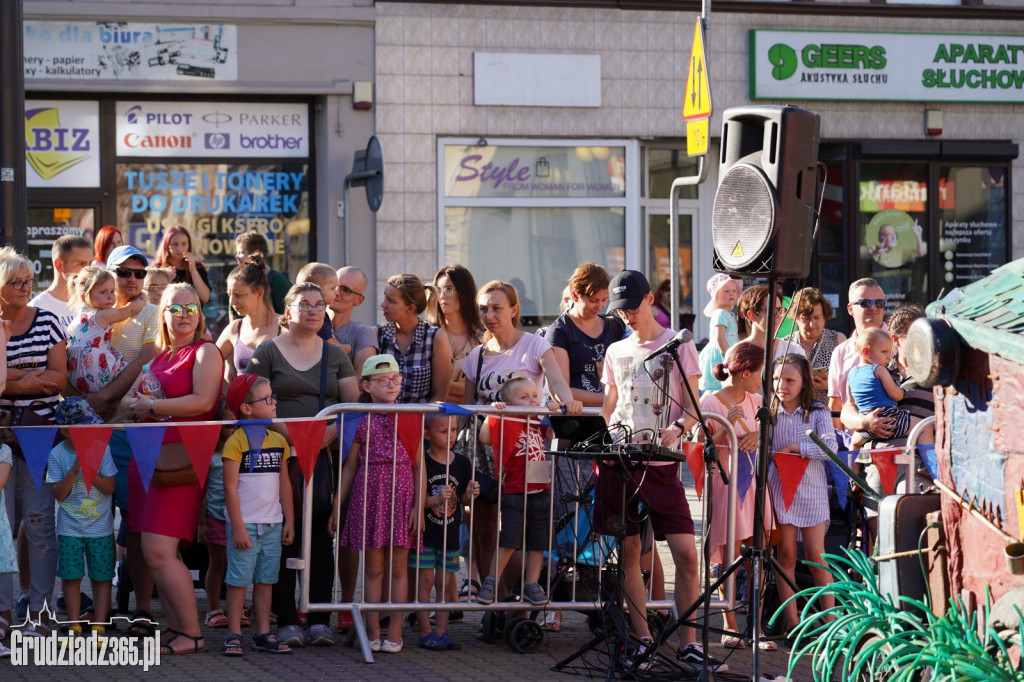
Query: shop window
{"x": 216, "y": 202}
{"x": 972, "y": 222}
{"x": 664, "y": 166}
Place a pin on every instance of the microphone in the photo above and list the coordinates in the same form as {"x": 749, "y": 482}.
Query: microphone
{"x": 684, "y": 336}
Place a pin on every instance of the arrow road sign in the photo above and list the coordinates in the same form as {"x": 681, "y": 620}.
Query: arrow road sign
{"x": 697, "y": 101}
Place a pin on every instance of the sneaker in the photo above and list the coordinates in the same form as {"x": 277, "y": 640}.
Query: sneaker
{"x": 375, "y": 645}
{"x": 639, "y": 659}
{"x": 389, "y": 647}
{"x": 319, "y": 635}
{"x": 534, "y": 593}
{"x": 344, "y": 622}
{"x": 432, "y": 642}
{"x": 450, "y": 643}
{"x": 292, "y": 635}
{"x": 486, "y": 593}
{"x": 691, "y": 658}
{"x": 21, "y": 606}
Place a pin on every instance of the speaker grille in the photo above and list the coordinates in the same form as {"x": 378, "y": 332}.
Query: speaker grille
{"x": 743, "y": 217}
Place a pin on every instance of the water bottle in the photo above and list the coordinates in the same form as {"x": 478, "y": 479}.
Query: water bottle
{"x": 150, "y": 386}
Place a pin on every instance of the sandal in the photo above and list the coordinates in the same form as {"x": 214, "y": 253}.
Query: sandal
{"x": 767, "y": 645}
{"x": 269, "y": 643}
{"x": 142, "y": 625}
{"x": 231, "y": 645}
{"x": 733, "y": 642}
{"x": 469, "y": 590}
{"x": 216, "y": 619}
{"x": 167, "y": 650}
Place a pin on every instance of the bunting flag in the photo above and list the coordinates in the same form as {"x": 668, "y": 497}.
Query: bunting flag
{"x": 840, "y": 483}
{"x": 410, "y": 432}
{"x": 90, "y": 444}
{"x": 745, "y": 474}
{"x": 348, "y": 423}
{"x": 695, "y": 462}
{"x": 200, "y": 441}
{"x": 255, "y": 432}
{"x": 930, "y": 462}
{"x": 453, "y": 409}
{"x": 36, "y": 443}
{"x": 145, "y": 443}
{"x": 791, "y": 471}
{"x": 306, "y": 438}
{"x": 883, "y": 461}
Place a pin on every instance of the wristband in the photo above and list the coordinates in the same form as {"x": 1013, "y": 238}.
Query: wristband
{"x": 152, "y": 406}
{"x": 682, "y": 429}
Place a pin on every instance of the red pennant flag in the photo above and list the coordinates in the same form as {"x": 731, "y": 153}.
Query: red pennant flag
{"x": 90, "y": 443}
{"x": 410, "y": 432}
{"x": 887, "y": 470}
{"x": 200, "y": 441}
{"x": 695, "y": 461}
{"x": 306, "y": 439}
{"x": 791, "y": 470}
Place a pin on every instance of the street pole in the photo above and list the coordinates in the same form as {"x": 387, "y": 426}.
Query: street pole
{"x": 13, "y": 196}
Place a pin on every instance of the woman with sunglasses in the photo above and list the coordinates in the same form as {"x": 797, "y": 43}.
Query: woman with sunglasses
{"x": 295, "y": 362}
{"x": 36, "y": 364}
{"x": 190, "y": 370}
{"x": 810, "y": 312}
{"x": 175, "y": 251}
{"x": 752, "y": 320}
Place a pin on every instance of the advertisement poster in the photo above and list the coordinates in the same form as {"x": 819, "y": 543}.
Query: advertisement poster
{"x": 972, "y": 223}
{"x": 62, "y": 143}
{"x": 81, "y": 50}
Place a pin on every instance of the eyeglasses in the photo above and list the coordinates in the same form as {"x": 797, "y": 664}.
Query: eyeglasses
{"x": 138, "y": 273}
{"x": 388, "y": 381}
{"x": 308, "y": 309}
{"x": 348, "y": 292}
{"x": 269, "y": 400}
{"x": 868, "y": 303}
{"x": 190, "y": 310}
{"x": 779, "y": 311}
{"x": 22, "y": 284}
{"x": 623, "y": 313}
{"x": 447, "y": 291}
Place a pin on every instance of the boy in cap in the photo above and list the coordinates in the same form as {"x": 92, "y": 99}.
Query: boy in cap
{"x": 85, "y": 524}
{"x": 258, "y": 506}
{"x": 645, "y": 395}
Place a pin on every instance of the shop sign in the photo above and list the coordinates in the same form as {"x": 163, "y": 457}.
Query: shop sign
{"x": 62, "y": 143}
{"x": 87, "y": 50}
{"x": 533, "y": 172}
{"x": 212, "y": 129}
{"x": 898, "y": 67}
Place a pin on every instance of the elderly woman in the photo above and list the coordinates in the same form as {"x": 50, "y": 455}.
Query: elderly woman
{"x": 580, "y": 336}
{"x": 422, "y": 350}
{"x": 298, "y": 363}
{"x": 249, "y": 297}
{"x": 189, "y": 369}
{"x": 810, "y": 311}
{"x": 36, "y": 373}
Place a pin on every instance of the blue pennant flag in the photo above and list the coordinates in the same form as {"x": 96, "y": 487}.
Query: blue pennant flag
{"x": 453, "y": 409}
{"x": 255, "y": 432}
{"x": 145, "y": 442}
{"x": 745, "y": 472}
{"x": 930, "y": 462}
{"x": 840, "y": 482}
{"x": 36, "y": 443}
{"x": 348, "y": 422}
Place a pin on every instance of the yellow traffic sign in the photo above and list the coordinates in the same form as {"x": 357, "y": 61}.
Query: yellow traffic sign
{"x": 697, "y": 137}
{"x": 697, "y": 101}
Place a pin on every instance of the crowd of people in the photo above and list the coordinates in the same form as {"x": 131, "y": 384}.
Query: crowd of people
{"x": 119, "y": 338}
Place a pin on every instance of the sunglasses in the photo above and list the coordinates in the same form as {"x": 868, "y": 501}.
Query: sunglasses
{"x": 868, "y": 303}
{"x": 138, "y": 273}
{"x": 269, "y": 400}
{"x": 388, "y": 381}
{"x": 190, "y": 310}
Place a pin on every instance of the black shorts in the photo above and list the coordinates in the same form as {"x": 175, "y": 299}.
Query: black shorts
{"x": 536, "y": 521}
{"x": 658, "y": 487}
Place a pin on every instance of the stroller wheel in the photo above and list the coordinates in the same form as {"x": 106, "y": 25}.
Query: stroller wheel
{"x": 524, "y": 636}
{"x": 491, "y": 626}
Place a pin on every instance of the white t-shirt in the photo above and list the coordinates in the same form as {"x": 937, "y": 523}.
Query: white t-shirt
{"x": 130, "y": 336}
{"x": 48, "y": 301}
{"x": 524, "y": 356}
{"x": 651, "y": 394}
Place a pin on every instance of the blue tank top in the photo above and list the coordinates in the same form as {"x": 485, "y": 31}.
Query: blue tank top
{"x": 867, "y": 389}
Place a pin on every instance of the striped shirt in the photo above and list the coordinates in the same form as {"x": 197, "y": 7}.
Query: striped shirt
{"x": 130, "y": 336}
{"x": 28, "y": 351}
{"x": 415, "y": 365}
{"x": 810, "y": 504}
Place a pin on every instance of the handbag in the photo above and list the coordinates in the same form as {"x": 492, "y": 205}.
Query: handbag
{"x": 169, "y": 478}
{"x": 21, "y": 415}
{"x": 488, "y": 484}
{"x": 323, "y": 470}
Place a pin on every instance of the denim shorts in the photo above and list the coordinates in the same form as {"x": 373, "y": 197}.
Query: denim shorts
{"x": 261, "y": 562}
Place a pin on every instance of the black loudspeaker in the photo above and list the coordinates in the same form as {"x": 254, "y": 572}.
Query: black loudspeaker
{"x": 762, "y": 223}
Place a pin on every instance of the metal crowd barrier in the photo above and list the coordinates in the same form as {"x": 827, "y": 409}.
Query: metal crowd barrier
{"x": 575, "y": 602}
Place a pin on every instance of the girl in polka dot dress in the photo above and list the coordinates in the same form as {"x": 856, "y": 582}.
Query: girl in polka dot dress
{"x": 385, "y": 508}
{"x": 92, "y": 361}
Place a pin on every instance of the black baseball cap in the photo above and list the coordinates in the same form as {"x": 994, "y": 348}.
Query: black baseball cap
{"x": 627, "y": 290}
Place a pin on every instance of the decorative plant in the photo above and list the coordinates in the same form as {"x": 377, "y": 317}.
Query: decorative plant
{"x": 868, "y": 635}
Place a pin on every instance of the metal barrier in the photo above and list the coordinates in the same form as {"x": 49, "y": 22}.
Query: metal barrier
{"x": 358, "y": 607}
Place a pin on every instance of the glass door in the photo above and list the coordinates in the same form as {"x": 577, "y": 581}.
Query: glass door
{"x": 46, "y": 224}
{"x": 659, "y": 266}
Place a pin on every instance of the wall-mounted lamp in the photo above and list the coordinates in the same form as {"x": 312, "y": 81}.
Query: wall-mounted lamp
{"x": 933, "y": 121}
{"x": 543, "y": 168}
{"x": 482, "y": 142}
{"x": 362, "y": 95}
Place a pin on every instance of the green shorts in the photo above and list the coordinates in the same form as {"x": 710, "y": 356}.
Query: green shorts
{"x": 434, "y": 559}
{"x": 74, "y": 553}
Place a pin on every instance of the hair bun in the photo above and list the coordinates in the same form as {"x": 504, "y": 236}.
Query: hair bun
{"x": 720, "y": 371}
{"x": 256, "y": 259}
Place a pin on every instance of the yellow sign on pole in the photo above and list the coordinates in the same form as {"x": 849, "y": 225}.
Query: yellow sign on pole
{"x": 697, "y": 137}
{"x": 697, "y": 101}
